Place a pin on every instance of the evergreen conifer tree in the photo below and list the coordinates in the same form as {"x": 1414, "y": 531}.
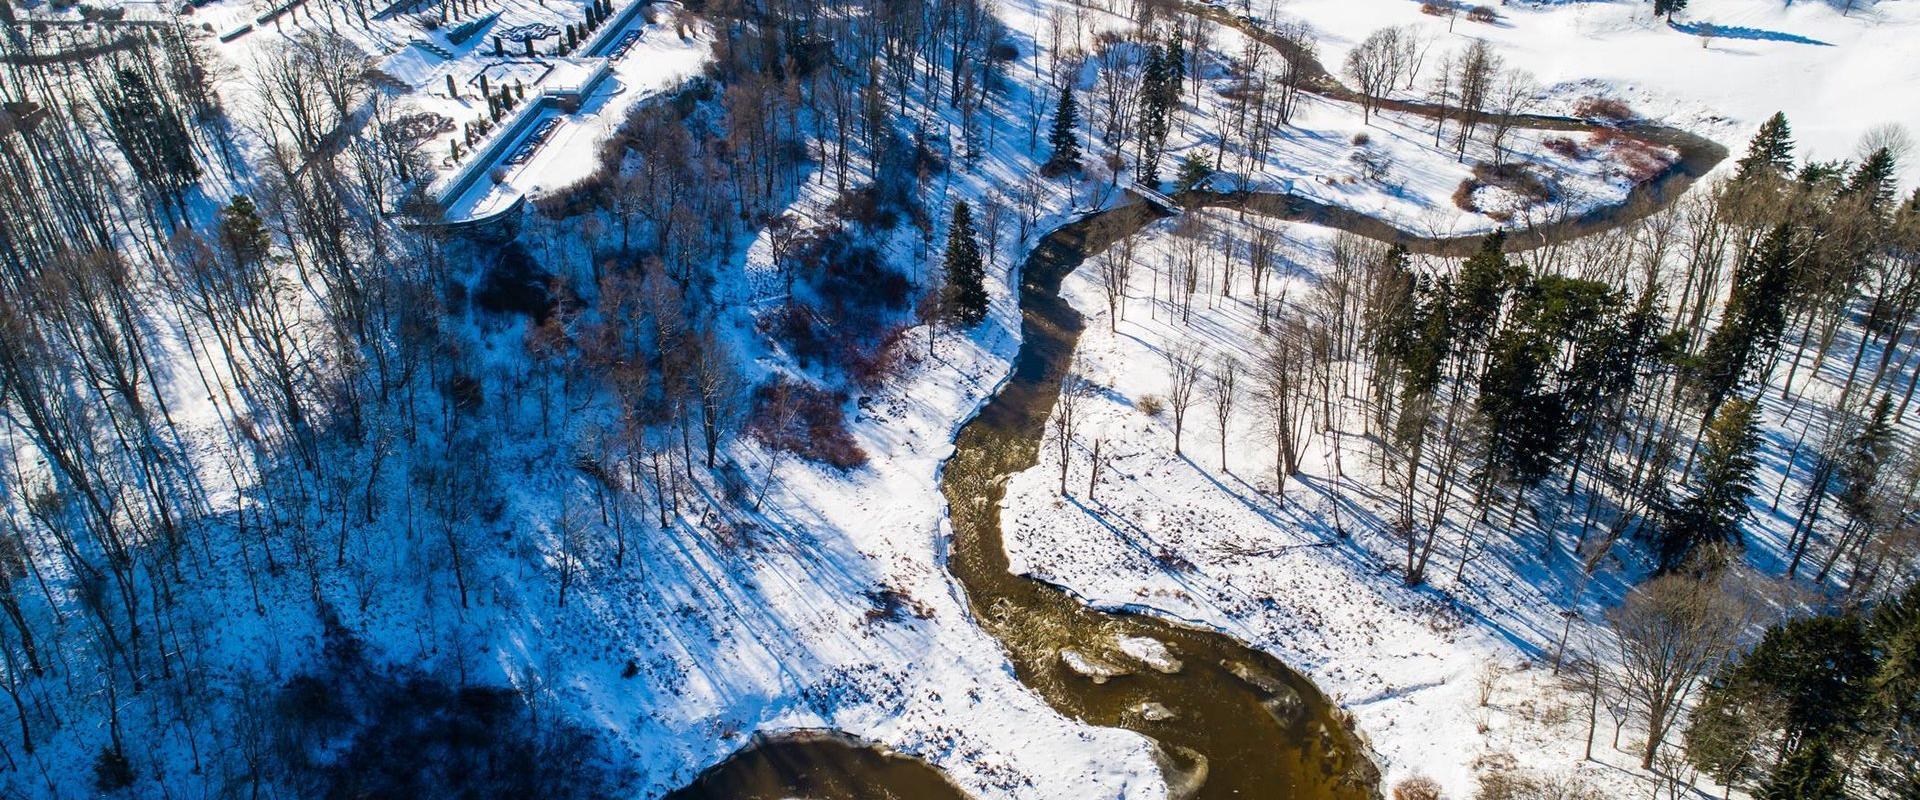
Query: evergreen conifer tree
{"x": 1873, "y": 181}
{"x": 1481, "y": 289}
{"x": 1812, "y": 675}
{"x": 966, "y": 288}
{"x": 153, "y": 136}
{"x": 1065, "y": 137}
{"x": 1154, "y": 93}
{"x": 1668, "y": 8}
{"x": 1771, "y": 151}
{"x": 1866, "y": 451}
{"x": 1193, "y": 169}
{"x": 242, "y": 233}
{"x": 1751, "y": 326}
{"x": 1722, "y": 482}
{"x": 1808, "y": 774}
{"x": 1895, "y": 633}
{"x": 1176, "y": 64}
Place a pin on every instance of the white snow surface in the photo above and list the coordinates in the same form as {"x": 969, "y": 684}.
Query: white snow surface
{"x": 1179, "y": 535}
{"x": 1835, "y": 74}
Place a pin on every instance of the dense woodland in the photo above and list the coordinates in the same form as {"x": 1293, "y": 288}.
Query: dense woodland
{"x": 288, "y": 400}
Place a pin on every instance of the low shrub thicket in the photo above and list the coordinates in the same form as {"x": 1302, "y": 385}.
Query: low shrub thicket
{"x": 806, "y": 421}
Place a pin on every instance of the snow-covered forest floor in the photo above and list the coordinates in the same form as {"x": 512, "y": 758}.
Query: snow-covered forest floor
{"x": 1312, "y": 572}
{"x": 803, "y": 596}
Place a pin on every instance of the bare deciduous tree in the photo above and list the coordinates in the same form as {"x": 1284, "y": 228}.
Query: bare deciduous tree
{"x": 1183, "y": 383}
{"x": 716, "y": 384}
{"x": 1375, "y": 67}
{"x": 1670, "y": 633}
{"x": 1116, "y": 269}
{"x": 1074, "y": 390}
{"x": 1223, "y": 390}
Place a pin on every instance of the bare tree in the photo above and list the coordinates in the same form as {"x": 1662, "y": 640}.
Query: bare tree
{"x": 1671, "y": 632}
{"x": 716, "y": 384}
{"x": 1284, "y": 391}
{"x": 1222, "y": 392}
{"x": 1116, "y": 269}
{"x": 1074, "y": 389}
{"x": 1183, "y": 383}
{"x": 1297, "y": 68}
{"x": 1513, "y": 95}
{"x": 1478, "y": 69}
{"x": 1375, "y": 67}
{"x": 570, "y": 535}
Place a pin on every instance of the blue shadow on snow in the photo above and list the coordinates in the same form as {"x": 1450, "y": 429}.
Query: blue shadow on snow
{"x": 1708, "y": 29}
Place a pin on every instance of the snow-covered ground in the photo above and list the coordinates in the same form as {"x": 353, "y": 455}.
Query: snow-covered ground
{"x": 1835, "y": 74}
{"x": 776, "y": 633}
{"x": 742, "y": 622}
{"x": 1444, "y": 680}
{"x": 1393, "y": 166}
{"x": 1220, "y": 546}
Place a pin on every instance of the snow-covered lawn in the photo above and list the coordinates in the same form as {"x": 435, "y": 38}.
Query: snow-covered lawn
{"x": 1393, "y": 166}
{"x": 1835, "y": 75}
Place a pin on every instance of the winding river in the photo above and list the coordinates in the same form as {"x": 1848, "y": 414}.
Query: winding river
{"x": 1230, "y": 721}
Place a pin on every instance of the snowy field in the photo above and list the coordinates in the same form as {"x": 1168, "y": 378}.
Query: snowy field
{"x": 1835, "y": 74}
{"x": 1392, "y": 165}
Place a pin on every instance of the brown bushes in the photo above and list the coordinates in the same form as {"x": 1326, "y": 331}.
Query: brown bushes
{"x": 1463, "y": 195}
{"x": 1418, "y": 787}
{"x": 1520, "y": 179}
{"x": 806, "y": 421}
{"x": 1564, "y": 147}
{"x": 872, "y": 368}
{"x": 1607, "y": 108}
{"x": 1640, "y": 161}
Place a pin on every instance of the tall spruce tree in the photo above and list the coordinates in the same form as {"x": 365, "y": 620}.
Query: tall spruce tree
{"x": 1668, "y": 8}
{"x": 1481, "y": 290}
{"x": 1193, "y": 169}
{"x": 1895, "y": 633}
{"x": 1842, "y": 680}
{"x": 1065, "y": 137}
{"x": 1176, "y": 64}
{"x": 1872, "y": 183}
{"x": 966, "y": 286}
{"x": 1722, "y": 481}
{"x": 1525, "y": 420}
{"x": 1770, "y": 152}
{"x": 1751, "y": 326}
{"x": 1867, "y": 450}
{"x": 1814, "y": 675}
{"x": 1726, "y": 736}
{"x": 1548, "y": 363}
{"x": 150, "y": 131}
{"x": 1157, "y": 87}
{"x": 1809, "y": 774}
{"x": 242, "y": 233}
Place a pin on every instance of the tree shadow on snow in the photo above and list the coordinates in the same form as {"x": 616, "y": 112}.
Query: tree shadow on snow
{"x": 1709, "y": 30}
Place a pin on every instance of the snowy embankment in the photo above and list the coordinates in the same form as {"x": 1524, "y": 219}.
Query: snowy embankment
{"x": 829, "y": 604}
{"x": 1444, "y": 680}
